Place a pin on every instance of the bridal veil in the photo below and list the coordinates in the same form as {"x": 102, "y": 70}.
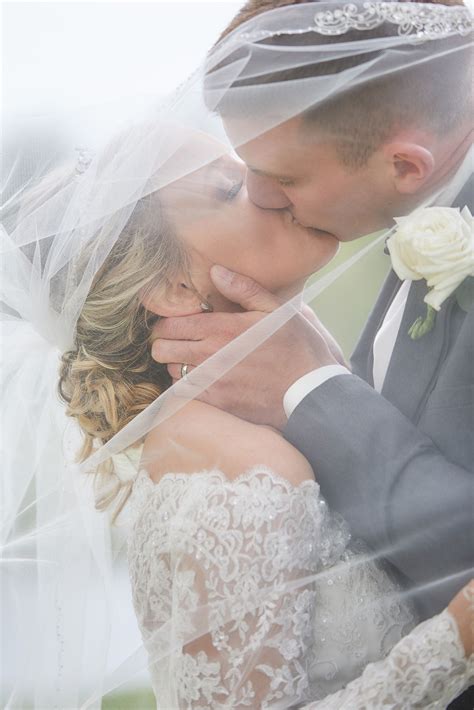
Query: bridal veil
{"x": 62, "y": 217}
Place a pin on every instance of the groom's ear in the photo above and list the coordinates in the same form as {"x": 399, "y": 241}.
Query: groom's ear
{"x": 411, "y": 165}
{"x": 174, "y": 299}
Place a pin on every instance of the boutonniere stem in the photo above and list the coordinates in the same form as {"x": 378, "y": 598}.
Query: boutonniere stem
{"x": 422, "y": 326}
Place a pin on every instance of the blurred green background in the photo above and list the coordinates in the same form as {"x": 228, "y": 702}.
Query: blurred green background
{"x": 132, "y": 700}
{"x": 345, "y": 306}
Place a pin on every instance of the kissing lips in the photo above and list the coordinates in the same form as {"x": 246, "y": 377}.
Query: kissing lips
{"x": 311, "y": 230}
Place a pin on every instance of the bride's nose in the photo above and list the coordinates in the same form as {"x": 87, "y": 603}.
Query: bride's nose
{"x": 266, "y": 192}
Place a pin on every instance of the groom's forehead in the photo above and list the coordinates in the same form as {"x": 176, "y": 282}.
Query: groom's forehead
{"x": 275, "y": 152}
{"x": 245, "y": 135}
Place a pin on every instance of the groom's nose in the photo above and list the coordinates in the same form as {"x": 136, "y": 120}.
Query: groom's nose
{"x": 266, "y": 192}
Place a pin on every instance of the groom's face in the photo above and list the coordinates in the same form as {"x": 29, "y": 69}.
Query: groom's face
{"x": 293, "y": 167}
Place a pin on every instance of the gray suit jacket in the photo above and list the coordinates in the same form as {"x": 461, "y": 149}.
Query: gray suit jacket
{"x": 399, "y": 465}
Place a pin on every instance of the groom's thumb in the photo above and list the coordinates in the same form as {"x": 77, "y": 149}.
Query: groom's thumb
{"x": 243, "y": 290}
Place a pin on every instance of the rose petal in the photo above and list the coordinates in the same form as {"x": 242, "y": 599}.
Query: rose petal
{"x": 399, "y": 266}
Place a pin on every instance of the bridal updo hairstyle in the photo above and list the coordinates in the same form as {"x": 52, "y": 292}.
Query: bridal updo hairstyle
{"x": 109, "y": 376}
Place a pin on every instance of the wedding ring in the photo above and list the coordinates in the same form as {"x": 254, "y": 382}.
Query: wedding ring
{"x": 184, "y": 370}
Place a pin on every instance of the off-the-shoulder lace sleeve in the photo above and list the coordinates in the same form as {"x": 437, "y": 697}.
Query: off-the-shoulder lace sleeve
{"x": 227, "y": 579}
{"x": 426, "y": 669}
{"x": 213, "y": 561}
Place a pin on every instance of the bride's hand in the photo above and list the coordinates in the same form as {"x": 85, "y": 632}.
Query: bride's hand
{"x": 462, "y": 609}
{"x": 254, "y": 389}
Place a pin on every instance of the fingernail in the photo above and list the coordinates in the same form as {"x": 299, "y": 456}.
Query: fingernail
{"x": 220, "y": 272}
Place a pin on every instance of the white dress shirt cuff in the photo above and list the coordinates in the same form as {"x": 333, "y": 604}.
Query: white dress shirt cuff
{"x": 306, "y": 384}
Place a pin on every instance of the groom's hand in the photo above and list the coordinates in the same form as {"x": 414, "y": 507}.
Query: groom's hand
{"x": 254, "y": 389}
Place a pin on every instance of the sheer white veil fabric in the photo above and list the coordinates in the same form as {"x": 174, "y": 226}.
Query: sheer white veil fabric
{"x": 61, "y": 219}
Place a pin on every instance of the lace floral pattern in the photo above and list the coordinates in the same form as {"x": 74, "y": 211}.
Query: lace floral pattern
{"x": 425, "y": 22}
{"x": 218, "y": 571}
{"x": 414, "y": 20}
{"x": 210, "y": 560}
{"x": 426, "y": 669}
{"x": 358, "y": 618}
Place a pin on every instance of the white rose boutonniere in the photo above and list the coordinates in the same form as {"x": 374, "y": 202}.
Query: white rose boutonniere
{"x": 436, "y": 244}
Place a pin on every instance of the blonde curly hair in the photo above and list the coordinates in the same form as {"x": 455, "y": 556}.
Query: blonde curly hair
{"x": 109, "y": 376}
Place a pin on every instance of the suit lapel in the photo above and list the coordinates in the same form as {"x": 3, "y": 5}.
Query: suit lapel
{"x": 414, "y": 363}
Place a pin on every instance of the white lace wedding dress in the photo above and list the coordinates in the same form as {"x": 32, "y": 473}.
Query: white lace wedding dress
{"x": 218, "y": 571}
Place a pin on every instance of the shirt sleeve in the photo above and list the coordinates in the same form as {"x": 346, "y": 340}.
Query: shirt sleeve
{"x": 306, "y": 384}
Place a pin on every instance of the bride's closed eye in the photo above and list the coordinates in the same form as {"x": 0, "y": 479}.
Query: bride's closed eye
{"x": 227, "y": 194}
{"x": 234, "y": 190}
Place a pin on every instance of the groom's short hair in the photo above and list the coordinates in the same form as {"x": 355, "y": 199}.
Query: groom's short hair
{"x": 436, "y": 95}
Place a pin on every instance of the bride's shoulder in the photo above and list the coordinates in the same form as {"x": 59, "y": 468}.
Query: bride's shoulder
{"x": 201, "y": 437}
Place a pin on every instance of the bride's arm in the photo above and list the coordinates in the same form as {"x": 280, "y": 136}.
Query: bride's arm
{"x": 427, "y": 669}
{"x": 238, "y": 543}
{"x": 243, "y": 557}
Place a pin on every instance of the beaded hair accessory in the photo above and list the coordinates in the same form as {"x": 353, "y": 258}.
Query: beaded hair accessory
{"x": 415, "y": 20}
{"x": 83, "y": 160}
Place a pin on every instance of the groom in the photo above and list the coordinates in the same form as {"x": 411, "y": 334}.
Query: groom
{"x": 391, "y": 439}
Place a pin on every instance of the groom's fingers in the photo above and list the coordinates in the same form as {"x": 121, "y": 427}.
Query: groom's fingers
{"x": 182, "y": 328}
{"x": 178, "y": 351}
{"x": 196, "y": 327}
{"x": 243, "y": 290}
{"x": 176, "y": 371}
{"x": 192, "y": 339}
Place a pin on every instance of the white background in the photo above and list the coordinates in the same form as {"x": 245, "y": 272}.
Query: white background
{"x": 58, "y": 56}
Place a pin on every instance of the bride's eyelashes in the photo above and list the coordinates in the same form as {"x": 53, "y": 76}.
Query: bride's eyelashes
{"x": 234, "y": 190}
{"x": 228, "y": 194}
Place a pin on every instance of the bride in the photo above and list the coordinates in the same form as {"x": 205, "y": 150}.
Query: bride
{"x": 248, "y": 591}
{"x": 237, "y": 567}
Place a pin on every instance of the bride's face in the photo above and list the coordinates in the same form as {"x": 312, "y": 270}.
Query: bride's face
{"x": 218, "y": 224}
